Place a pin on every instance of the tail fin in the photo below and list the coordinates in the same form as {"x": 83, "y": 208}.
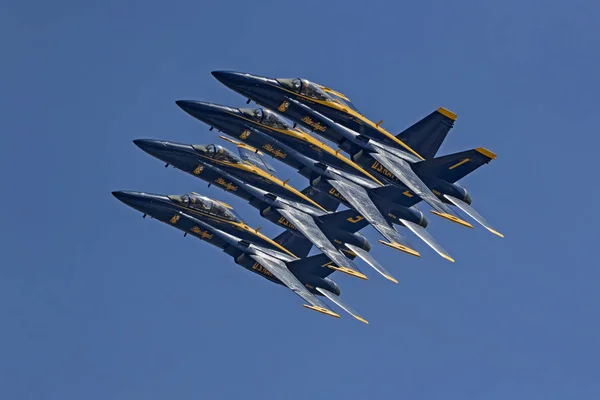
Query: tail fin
{"x": 427, "y": 135}
{"x": 455, "y": 166}
{"x": 325, "y": 200}
{"x": 347, "y": 220}
{"x": 313, "y": 265}
{"x": 299, "y": 246}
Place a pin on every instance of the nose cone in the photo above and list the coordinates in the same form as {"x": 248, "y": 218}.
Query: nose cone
{"x": 201, "y": 110}
{"x": 244, "y": 84}
{"x": 130, "y": 198}
{"x": 150, "y": 146}
{"x": 230, "y": 78}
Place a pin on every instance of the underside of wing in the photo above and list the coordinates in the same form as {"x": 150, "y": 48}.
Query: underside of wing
{"x": 361, "y": 202}
{"x": 308, "y": 227}
{"x": 427, "y": 238}
{"x": 402, "y": 170}
{"x": 366, "y": 257}
{"x": 281, "y": 272}
{"x": 470, "y": 211}
{"x": 335, "y": 299}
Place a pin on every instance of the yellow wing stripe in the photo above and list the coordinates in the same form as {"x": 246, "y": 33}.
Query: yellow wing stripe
{"x": 322, "y": 310}
{"x": 452, "y": 218}
{"x": 400, "y": 247}
{"x": 458, "y": 164}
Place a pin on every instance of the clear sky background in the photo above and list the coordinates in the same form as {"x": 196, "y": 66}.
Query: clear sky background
{"x": 98, "y": 303}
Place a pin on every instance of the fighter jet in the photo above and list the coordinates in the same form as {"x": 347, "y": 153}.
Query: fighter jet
{"x": 218, "y": 224}
{"x": 326, "y": 169}
{"x": 317, "y": 107}
{"x": 335, "y": 234}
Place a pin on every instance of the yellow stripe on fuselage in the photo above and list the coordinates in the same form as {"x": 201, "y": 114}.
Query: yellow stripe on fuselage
{"x": 340, "y": 107}
{"x": 247, "y": 167}
{"x": 303, "y": 136}
{"x": 239, "y": 225}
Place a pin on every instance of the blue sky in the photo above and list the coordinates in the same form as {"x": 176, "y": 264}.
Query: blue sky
{"x": 97, "y": 303}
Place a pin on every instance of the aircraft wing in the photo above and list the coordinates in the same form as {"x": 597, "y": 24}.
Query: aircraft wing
{"x": 252, "y": 155}
{"x": 360, "y": 200}
{"x": 308, "y": 227}
{"x": 470, "y": 211}
{"x": 402, "y": 170}
{"x": 281, "y": 272}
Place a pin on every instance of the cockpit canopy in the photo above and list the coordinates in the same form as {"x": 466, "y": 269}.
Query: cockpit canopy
{"x": 314, "y": 91}
{"x": 305, "y": 88}
{"x": 265, "y": 117}
{"x": 206, "y": 205}
{"x": 217, "y": 152}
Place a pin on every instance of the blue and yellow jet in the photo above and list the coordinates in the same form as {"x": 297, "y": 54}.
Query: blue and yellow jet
{"x": 283, "y": 260}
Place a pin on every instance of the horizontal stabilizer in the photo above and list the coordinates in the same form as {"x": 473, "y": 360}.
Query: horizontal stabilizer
{"x": 312, "y": 265}
{"x": 453, "y": 167}
{"x": 470, "y": 211}
{"x": 335, "y": 299}
{"x": 346, "y": 220}
{"x": 366, "y": 257}
{"x": 427, "y": 238}
{"x": 297, "y": 245}
{"x": 328, "y": 202}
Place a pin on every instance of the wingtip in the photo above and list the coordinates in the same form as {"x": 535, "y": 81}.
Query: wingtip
{"x": 447, "y": 113}
{"x": 486, "y": 153}
{"x": 447, "y": 257}
{"x": 361, "y": 319}
{"x": 495, "y": 232}
{"x": 322, "y": 310}
{"x": 390, "y": 278}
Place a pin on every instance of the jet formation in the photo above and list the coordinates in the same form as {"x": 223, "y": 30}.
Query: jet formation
{"x": 348, "y": 160}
